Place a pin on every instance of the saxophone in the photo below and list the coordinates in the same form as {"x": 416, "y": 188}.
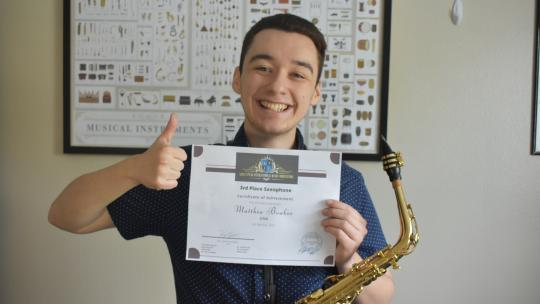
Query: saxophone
{"x": 345, "y": 287}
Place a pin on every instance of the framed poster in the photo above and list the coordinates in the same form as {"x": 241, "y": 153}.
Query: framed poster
{"x": 535, "y": 141}
{"x": 129, "y": 63}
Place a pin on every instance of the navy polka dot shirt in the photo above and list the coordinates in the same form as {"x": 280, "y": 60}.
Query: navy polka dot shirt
{"x": 142, "y": 211}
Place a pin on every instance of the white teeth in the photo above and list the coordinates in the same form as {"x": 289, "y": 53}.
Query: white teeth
{"x": 276, "y": 107}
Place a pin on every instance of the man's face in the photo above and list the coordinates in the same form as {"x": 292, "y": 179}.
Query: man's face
{"x": 278, "y": 83}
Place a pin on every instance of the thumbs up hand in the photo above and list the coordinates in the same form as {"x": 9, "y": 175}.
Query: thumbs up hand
{"x": 160, "y": 166}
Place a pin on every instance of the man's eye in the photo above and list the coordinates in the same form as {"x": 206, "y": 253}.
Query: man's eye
{"x": 298, "y": 75}
{"x": 263, "y": 68}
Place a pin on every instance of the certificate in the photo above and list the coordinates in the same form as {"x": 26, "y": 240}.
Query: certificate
{"x": 261, "y": 206}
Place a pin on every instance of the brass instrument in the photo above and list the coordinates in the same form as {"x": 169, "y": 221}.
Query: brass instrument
{"x": 345, "y": 287}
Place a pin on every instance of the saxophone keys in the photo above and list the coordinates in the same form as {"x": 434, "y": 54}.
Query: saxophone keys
{"x": 395, "y": 265}
{"x": 317, "y": 294}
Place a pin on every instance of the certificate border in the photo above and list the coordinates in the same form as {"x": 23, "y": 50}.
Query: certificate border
{"x": 219, "y": 153}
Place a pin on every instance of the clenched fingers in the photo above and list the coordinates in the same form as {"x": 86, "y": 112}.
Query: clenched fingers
{"x": 342, "y": 229}
{"x": 339, "y": 210}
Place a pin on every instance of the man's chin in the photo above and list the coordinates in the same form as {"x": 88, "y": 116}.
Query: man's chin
{"x": 272, "y": 130}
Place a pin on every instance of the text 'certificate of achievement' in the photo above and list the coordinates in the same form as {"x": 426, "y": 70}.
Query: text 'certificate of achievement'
{"x": 261, "y": 206}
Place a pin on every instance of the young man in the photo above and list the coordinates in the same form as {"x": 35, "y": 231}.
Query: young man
{"x": 278, "y": 81}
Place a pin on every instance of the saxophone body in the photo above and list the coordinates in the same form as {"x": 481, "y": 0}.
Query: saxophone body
{"x": 345, "y": 287}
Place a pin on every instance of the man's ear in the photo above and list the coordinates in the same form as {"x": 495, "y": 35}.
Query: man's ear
{"x": 236, "y": 81}
{"x": 316, "y": 94}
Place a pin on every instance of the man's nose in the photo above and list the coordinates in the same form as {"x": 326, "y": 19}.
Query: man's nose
{"x": 278, "y": 83}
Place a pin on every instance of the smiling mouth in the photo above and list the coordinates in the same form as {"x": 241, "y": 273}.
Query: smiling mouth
{"x": 276, "y": 107}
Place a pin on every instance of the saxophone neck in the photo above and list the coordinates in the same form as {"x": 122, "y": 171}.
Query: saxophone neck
{"x": 409, "y": 229}
{"x": 392, "y": 163}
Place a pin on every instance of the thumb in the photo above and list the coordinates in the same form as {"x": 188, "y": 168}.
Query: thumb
{"x": 168, "y": 133}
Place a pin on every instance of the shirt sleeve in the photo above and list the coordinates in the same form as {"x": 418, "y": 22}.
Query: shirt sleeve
{"x": 136, "y": 213}
{"x": 354, "y": 192}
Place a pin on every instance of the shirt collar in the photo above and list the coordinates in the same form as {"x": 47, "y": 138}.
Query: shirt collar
{"x": 240, "y": 140}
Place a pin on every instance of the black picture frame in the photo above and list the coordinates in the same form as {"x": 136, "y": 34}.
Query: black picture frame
{"x": 69, "y": 132}
{"x": 535, "y": 138}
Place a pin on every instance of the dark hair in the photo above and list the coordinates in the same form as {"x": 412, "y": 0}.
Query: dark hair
{"x": 287, "y": 23}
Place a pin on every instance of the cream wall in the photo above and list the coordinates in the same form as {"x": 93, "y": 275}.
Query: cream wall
{"x": 460, "y": 111}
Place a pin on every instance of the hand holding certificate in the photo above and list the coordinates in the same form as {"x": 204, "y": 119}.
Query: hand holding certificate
{"x": 261, "y": 206}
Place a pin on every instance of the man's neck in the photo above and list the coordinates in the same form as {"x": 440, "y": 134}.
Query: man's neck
{"x": 283, "y": 141}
